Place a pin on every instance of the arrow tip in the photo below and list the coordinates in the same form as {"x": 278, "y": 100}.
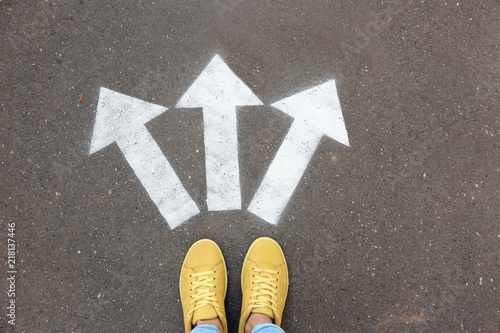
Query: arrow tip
{"x": 318, "y": 108}
{"x": 119, "y": 115}
{"x": 218, "y": 85}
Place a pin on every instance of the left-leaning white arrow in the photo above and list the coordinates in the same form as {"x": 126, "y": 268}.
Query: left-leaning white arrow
{"x": 121, "y": 118}
{"x": 219, "y": 91}
{"x": 316, "y": 112}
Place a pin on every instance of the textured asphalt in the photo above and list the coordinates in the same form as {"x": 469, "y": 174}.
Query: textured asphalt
{"x": 397, "y": 233}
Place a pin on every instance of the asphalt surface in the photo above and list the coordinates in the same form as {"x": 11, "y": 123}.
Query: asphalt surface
{"x": 397, "y": 233}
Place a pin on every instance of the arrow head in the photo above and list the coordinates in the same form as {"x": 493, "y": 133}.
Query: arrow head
{"x": 217, "y": 85}
{"x": 318, "y": 109}
{"x": 119, "y": 115}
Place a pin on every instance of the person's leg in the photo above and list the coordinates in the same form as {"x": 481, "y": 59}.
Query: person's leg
{"x": 264, "y": 282}
{"x": 205, "y": 329}
{"x": 267, "y": 328}
{"x": 203, "y": 284}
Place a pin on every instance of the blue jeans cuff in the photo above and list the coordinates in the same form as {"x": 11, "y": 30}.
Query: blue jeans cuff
{"x": 205, "y": 329}
{"x": 267, "y": 328}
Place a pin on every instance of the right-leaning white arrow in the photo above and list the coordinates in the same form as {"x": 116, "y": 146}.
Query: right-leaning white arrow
{"x": 316, "y": 112}
{"x": 219, "y": 91}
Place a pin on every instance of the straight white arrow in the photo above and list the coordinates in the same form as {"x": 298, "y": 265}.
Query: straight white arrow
{"x": 316, "y": 112}
{"x": 121, "y": 118}
{"x": 219, "y": 91}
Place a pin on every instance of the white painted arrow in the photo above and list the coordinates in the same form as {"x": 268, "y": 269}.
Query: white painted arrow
{"x": 121, "y": 118}
{"x": 317, "y": 112}
{"x": 219, "y": 91}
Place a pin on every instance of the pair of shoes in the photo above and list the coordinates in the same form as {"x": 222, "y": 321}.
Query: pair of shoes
{"x": 203, "y": 283}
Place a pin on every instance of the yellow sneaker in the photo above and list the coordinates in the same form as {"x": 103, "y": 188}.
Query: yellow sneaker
{"x": 264, "y": 281}
{"x": 203, "y": 284}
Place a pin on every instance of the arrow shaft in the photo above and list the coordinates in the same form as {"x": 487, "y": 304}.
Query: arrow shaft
{"x": 158, "y": 177}
{"x": 221, "y": 155}
{"x": 284, "y": 173}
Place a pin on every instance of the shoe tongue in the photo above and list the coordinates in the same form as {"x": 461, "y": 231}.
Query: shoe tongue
{"x": 264, "y": 310}
{"x": 204, "y": 313}
{"x": 267, "y": 311}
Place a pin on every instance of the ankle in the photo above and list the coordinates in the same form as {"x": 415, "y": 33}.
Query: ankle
{"x": 214, "y": 322}
{"x": 256, "y": 319}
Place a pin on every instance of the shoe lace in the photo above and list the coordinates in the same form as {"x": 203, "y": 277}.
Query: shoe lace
{"x": 204, "y": 294}
{"x": 265, "y": 293}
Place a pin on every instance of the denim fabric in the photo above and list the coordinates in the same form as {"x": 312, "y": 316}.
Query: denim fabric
{"x": 205, "y": 329}
{"x": 262, "y": 328}
{"x": 267, "y": 328}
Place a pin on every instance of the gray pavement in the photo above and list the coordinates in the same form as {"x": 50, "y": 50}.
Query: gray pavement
{"x": 397, "y": 233}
